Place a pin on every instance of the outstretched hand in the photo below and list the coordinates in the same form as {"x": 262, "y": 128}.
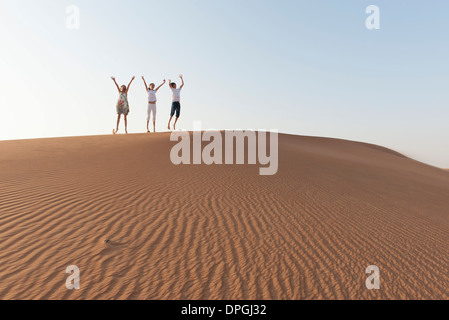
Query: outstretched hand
{"x": 113, "y": 78}
{"x": 133, "y": 78}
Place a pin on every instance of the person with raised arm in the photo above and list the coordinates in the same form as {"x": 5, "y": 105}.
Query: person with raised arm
{"x": 176, "y": 101}
{"x": 151, "y": 102}
{"x": 122, "y": 104}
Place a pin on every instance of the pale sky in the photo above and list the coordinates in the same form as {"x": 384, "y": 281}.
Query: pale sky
{"x": 302, "y": 67}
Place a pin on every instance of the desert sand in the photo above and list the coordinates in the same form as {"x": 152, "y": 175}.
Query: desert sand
{"x": 221, "y": 231}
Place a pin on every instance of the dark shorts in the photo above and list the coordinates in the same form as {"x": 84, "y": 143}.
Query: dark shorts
{"x": 175, "y": 108}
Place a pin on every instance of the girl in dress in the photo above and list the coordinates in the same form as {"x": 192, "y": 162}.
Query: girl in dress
{"x": 122, "y": 104}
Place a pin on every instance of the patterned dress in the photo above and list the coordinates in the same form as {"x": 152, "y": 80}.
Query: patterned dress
{"x": 122, "y": 104}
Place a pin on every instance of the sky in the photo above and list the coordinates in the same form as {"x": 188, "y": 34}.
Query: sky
{"x": 302, "y": 67}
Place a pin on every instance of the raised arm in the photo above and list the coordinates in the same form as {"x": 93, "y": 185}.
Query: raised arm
{"x": 182, "y": 80}
{"x": 160, "y": 85}
{"x": 113, "y": 79}
{"x": 127, "y": 89}
{"x": 146, "y": 87}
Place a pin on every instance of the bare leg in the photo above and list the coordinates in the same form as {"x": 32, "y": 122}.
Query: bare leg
{"x": 148, "y": 126}
{"x": 126, "y": 123}
{"x": 174, "y": 125}
{"x": 118, "y": 122}
{"x": 154, "y": 125}
{"x": 169, "y": 122}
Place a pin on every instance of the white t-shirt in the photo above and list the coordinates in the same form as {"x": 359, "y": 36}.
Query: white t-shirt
{"x": 176, "y": 94}
{"x": 151, "y": 95}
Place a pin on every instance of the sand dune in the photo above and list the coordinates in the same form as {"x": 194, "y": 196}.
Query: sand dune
{"x": 219, "y": 232}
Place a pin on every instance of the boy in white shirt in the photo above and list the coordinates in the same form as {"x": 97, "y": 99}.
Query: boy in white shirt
{"x": 176, "y": 102}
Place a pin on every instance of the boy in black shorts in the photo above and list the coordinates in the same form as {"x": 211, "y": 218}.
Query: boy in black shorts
{"x": 176, "y": 104}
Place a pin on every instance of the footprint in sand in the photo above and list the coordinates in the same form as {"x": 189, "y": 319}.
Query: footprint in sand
{"x": 110, "y": 246}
